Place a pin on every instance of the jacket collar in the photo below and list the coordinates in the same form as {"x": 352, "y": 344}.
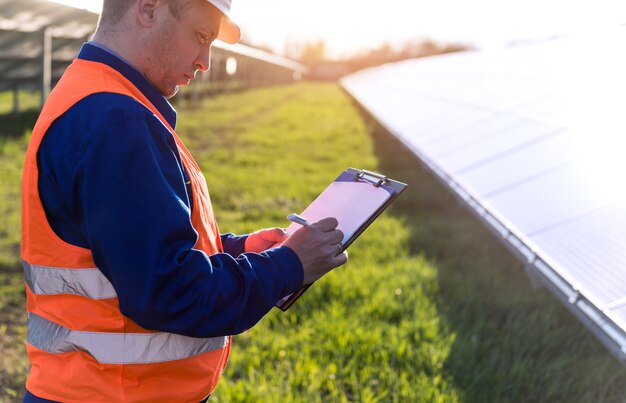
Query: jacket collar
{"x": 96, "y": 52}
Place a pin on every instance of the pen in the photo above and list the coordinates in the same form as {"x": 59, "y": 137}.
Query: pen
{"x": 298, "y": 219}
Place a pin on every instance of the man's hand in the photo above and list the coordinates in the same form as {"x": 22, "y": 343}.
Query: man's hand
{"x": 319, "y": 248}
{"x": 264, "y": 239}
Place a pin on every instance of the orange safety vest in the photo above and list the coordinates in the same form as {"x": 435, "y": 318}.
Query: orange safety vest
{"x": 81, "y": 347}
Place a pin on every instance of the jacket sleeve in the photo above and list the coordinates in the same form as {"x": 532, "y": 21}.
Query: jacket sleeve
{"x": 233, "y": 244}
{"x": 131, "y": 199}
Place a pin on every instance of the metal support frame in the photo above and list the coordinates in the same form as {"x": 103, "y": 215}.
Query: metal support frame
{"x": 16, "y": 100}
{"x": 46, "y": 64}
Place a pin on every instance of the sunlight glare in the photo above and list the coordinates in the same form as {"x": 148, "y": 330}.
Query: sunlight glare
{"x": 352, "y": 26}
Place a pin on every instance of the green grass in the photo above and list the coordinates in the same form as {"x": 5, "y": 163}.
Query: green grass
{"x": 429, "y": 308}
{"x": 27, "y": 100}
{"x": 13, "y": 364}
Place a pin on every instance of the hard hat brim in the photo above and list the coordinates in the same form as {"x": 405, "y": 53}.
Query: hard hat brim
{"x": 229, "y": 31}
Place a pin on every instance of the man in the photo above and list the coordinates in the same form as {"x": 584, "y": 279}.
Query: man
{"x": 132, "y": 293}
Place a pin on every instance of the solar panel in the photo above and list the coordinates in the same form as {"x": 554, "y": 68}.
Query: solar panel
{"x": 531, "y": 137}
{"x": 25, "y": 23}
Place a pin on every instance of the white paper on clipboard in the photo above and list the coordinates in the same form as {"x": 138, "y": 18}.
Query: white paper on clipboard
{"x": 351, "y": 203}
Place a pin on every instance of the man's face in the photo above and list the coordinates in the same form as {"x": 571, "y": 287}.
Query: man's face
{"x": 181, "y": 45}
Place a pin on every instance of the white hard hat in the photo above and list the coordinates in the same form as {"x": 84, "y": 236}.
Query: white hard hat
{"x": 229, "y": 31}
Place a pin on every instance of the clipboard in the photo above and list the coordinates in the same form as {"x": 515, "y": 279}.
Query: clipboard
{"x": 356, "y": 198}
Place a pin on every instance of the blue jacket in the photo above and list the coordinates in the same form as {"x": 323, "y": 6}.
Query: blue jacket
{"x": 109, "y": 156}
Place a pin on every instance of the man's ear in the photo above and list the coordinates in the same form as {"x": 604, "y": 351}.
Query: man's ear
{"x": 146, "y": 11}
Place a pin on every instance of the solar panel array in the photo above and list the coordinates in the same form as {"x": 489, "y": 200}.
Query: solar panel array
{"x": 25, "y": 25}
{"x": 533, "y": 138}
{"x": 38, "y": 36}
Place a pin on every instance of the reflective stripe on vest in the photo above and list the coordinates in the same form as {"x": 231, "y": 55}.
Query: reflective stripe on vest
{"x": 87, "y": 282}
{"x": 118, "y": 348}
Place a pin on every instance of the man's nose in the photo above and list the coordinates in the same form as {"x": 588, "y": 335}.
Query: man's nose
{"x": 203, "y": 61}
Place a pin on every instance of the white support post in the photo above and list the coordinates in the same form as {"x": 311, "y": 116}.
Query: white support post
{"x": 16, "y": 100}
{"x": 46, "y": 63}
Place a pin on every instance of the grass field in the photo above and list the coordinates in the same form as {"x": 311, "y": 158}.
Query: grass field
{"x": 27, "y": 100}
{"x": 430, "y": 308}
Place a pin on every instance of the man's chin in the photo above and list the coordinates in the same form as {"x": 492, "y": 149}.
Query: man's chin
{"x": 170, "y": 92}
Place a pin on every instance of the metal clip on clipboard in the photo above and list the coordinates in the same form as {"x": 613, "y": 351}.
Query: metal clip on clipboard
{"x": 371, "y": 177}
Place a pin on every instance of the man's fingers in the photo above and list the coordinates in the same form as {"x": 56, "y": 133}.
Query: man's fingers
{"x": 326, "y": 224}
{"x": 278, "y": 234}
{"x": 336, "y": 236}
{"x": 329, "y": 227}
{"x": 332, "y": 249}
{"x": 318, "y": 246}
{"x": 280, "y": 231}
{"x": 340, "y": 259}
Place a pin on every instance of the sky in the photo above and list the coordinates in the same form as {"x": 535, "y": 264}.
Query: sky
{"x": 351, "y": 26}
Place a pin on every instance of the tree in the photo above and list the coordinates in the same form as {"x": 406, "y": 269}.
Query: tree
{"x": 313, "y": 53}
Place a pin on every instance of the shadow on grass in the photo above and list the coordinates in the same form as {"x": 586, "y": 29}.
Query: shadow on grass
{"x": 12, "y": 126}
{"x": 512, "y": 342}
